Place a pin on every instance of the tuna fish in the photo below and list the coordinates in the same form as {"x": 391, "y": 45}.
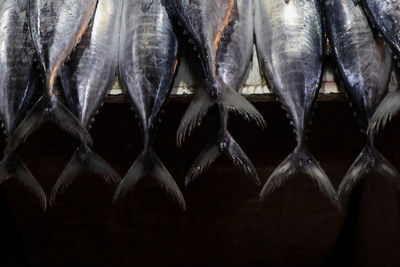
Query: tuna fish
{"x": 290, "y": 41}
{"x": 147, "y": 66}
{"x": 385, "y": 15}
{"x": 232, "y": 66}
{"x": 86, "y": 80}
{"x": 364, "y": 63}
{"x": 56, "y": 28}
{"x": 18, "y": 78}
{"x": 211, "y": 25}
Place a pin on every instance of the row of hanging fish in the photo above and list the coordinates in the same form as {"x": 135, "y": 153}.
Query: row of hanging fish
{"x": 77, "y": 46}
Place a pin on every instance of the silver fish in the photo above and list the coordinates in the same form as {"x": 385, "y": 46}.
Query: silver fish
{"x": 210, "y": 26}
{"x": 56, "y": 28}
{"x": 18, "y": 78}
{"x": 289, "y": 40}
{"x": 365, "y": 63}
{"x": 86, "y": 80}
{"x": 147, "y": 65}
{"x": 232, "y": 67}
{"x": 385, "y": 14}
{"x": 206, "y": 23}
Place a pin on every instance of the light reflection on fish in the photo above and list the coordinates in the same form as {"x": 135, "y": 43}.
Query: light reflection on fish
{"x": 147, "y": 65}
{"x": 18, "y": 79}
{"x": 210, "y": 25}
{"x": 289, "y": 39}
{"x": 364, "y": 63}
{"x": 86, "y": 80}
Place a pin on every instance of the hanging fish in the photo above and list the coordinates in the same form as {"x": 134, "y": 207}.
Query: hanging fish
{"x": 18, "y": 78}
{"x": 364, "y": 63}
{"x": 147, "y": 66}
{"x": 56, "y": 28}
{"x": 86, "y": 80}
{"x": 232, "y": 66}
{"x": 385, "y": 15}
{"x": 208, "y": 24}
{"x": 290, "y": 40}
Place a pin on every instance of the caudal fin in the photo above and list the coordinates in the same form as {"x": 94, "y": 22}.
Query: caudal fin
{"x": 235, "y": 102}
{"x": 148, "y": 163}
{"x": 370, "y": 160}
{"x": 48, "y": 108}
{"x": 200, "y": 105}
{"x": 223, "y": 144}
{"x": 388, "y": 108}
{"x": 83, "y": 159}
{"x": 299, "y": 160}
{"x": 12, "y": 166}
{"x": 193, "y": 116}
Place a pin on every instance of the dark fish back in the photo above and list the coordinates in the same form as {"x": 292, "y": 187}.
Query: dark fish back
{"x": 386, "y": 15}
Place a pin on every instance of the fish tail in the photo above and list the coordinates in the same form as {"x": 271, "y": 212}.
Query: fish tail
{"x": 200, "y": 105}
{"x": 148, "y": 163}
{"x": 48, "y": 108}
{"x": 388, "y": 108}
{"x": 193, "y": 116}
{"x": 235, "y": 102}
{"x": 223, "y": 144}
{"x": 83, "y": 159}
{"x": 369, "y": 160}
{"x": 300, "y": 160}
{"x": 12, "y": 166}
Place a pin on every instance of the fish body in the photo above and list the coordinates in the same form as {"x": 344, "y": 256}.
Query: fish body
{"x": 147, "y": 66}
{"x": 206, "y": 21}
{"x": 364, "y": 63}
{"x": 56, "y": 29}
{"x": 386, "y": 16}
{"x": 208, "y": 24}
{"x": 86, "y": 79}
{"x": 232, "y": 64}
{"x": 18, "y": 78}
{"x": 289, "y": 40}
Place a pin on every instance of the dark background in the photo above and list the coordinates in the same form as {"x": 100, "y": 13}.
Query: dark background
{"x": 224, "y": 222}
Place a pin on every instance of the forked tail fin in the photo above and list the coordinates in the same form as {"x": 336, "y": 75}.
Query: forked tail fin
{"x": 148, "y": 163}
{"x": 300, "y": 160}
{"x": 12, "y": 166}
{"x": 223, "y": 144}
{"x": 369, "y": 160}
{"x": 48, "y": 108}
{"x": 200, "y": 105}
{"x": 83, "y": 159}
{"x": 388, "y": 108}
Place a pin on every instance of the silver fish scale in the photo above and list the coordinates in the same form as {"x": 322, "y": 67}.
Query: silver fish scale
{"x": 386, "y": 14}
{"x": 148, "y": 55}
{"x": 55, "y": 26}
{"x": 94, "y": 62}
{"x": 235, "y": 53}
{"x": 206, "y": 19}
{"x": 364, "y": 62}
{"x": 289, "y": 41}
{"x": 16, "y": 60}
